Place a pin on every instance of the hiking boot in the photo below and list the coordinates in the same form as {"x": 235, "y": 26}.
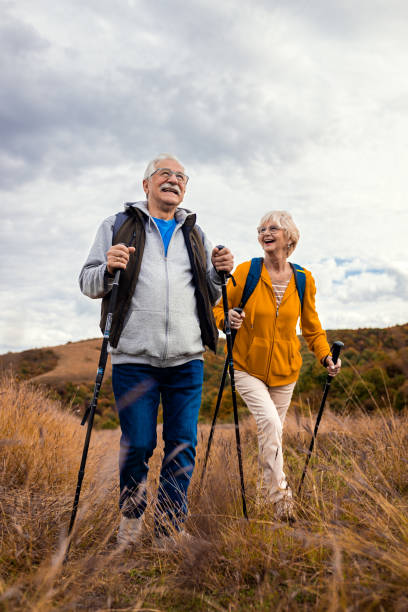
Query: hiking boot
{"x": 284, "y": 509}
{"x": 170, "y": 542}
{"x": 130, "y": 530}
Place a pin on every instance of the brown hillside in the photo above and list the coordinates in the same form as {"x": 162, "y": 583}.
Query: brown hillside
{"x": 373, "y": 377}
{"x": 75, "y": 362}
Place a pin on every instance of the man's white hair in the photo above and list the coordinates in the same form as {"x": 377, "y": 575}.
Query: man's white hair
{"x": 152, "y": 165}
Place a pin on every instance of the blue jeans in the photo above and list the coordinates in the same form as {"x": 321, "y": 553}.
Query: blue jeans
{"x": 137, "y": 389}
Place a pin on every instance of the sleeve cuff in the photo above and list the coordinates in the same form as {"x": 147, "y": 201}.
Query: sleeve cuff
{"x": 214, "y": 277}
{"x": 107, "y": 280}
{"x": 323, "y": 360}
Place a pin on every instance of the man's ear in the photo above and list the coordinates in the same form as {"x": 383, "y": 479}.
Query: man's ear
{"x": 146, "y": 186}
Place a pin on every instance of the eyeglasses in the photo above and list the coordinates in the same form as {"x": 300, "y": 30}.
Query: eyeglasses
{"x": 166, "y": 173}
{"x": 272, "y": 229}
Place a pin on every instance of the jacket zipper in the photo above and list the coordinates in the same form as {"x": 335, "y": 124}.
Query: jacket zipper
{"x": 276, "y": 320}
{"x": 274, "y": 331}
{"x": 167, "y": 320}
{"x": 166, "y": 333}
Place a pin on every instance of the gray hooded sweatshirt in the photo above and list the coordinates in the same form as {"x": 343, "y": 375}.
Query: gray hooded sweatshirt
{"x": 161, "y": 327}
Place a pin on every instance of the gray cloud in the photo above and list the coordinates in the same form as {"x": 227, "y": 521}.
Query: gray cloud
{"x": 19, "y": 39}
{"x": 371, "y": 288}
{"x": 213, "y": 83}
{"x": 296, "y": 105}
{"x": 64, "y": 112}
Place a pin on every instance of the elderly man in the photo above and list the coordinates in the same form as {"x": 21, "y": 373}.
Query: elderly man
{"x": 162, "y": 322}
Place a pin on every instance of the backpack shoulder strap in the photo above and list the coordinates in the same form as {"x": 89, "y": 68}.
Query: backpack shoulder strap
{"x": 196, "y": 228}
{"x": 120, "y": 218}
{"x": 300, "y": 280}
{"x": 252, "y": 279}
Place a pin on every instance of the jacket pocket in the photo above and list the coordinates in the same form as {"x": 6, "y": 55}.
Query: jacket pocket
{"x": 296, "y": 357}
{"x": 258, "y": 357}
{"x": 143, "y": 334}
{"x": 284, "y": 359}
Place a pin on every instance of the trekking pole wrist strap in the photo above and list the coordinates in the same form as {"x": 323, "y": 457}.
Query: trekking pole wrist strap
{"x": 324, "y": 360}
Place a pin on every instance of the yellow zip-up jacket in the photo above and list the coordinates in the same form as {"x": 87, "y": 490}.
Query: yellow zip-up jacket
{"x": 266, "y": 345}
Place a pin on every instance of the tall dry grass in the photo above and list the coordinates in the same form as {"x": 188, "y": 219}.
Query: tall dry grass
{"x": 347, "y": 551}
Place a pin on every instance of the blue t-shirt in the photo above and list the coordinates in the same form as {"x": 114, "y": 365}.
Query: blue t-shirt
{"x": 166, "y": 229}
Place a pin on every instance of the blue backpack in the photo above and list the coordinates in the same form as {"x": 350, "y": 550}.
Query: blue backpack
{"x": 254, "y": 276}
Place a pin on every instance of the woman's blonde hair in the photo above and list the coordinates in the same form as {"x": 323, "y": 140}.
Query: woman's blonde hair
{"x": 283, "y": 220}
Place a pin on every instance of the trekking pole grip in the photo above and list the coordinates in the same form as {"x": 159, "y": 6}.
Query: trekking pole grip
{"x": 335, "y": 350}
{"x": 221, "y": 273}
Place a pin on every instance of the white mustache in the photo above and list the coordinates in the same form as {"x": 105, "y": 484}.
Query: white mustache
{"x": 170, "y": 186}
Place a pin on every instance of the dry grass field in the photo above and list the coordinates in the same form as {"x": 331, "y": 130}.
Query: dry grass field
{"x": 348, "y": 549}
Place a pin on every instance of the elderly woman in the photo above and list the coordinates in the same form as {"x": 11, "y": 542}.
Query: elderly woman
{"x": 266, "y": 351}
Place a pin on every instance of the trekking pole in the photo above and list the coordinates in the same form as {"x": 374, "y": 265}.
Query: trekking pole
{"x": 335, "y": 351}
{"x": 217, "y": 406}
{"x": 223, "y": 276}
{"x": 90, "y": 411}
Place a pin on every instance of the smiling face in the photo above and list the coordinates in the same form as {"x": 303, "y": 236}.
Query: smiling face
{"x": 273, "y": 239}
{"x": 164, "y": 190}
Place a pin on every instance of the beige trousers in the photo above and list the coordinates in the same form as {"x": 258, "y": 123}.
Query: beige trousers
{"x": 269, "y": 406}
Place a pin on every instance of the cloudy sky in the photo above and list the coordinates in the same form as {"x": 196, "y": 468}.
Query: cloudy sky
{"x": 281, "y": 104}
